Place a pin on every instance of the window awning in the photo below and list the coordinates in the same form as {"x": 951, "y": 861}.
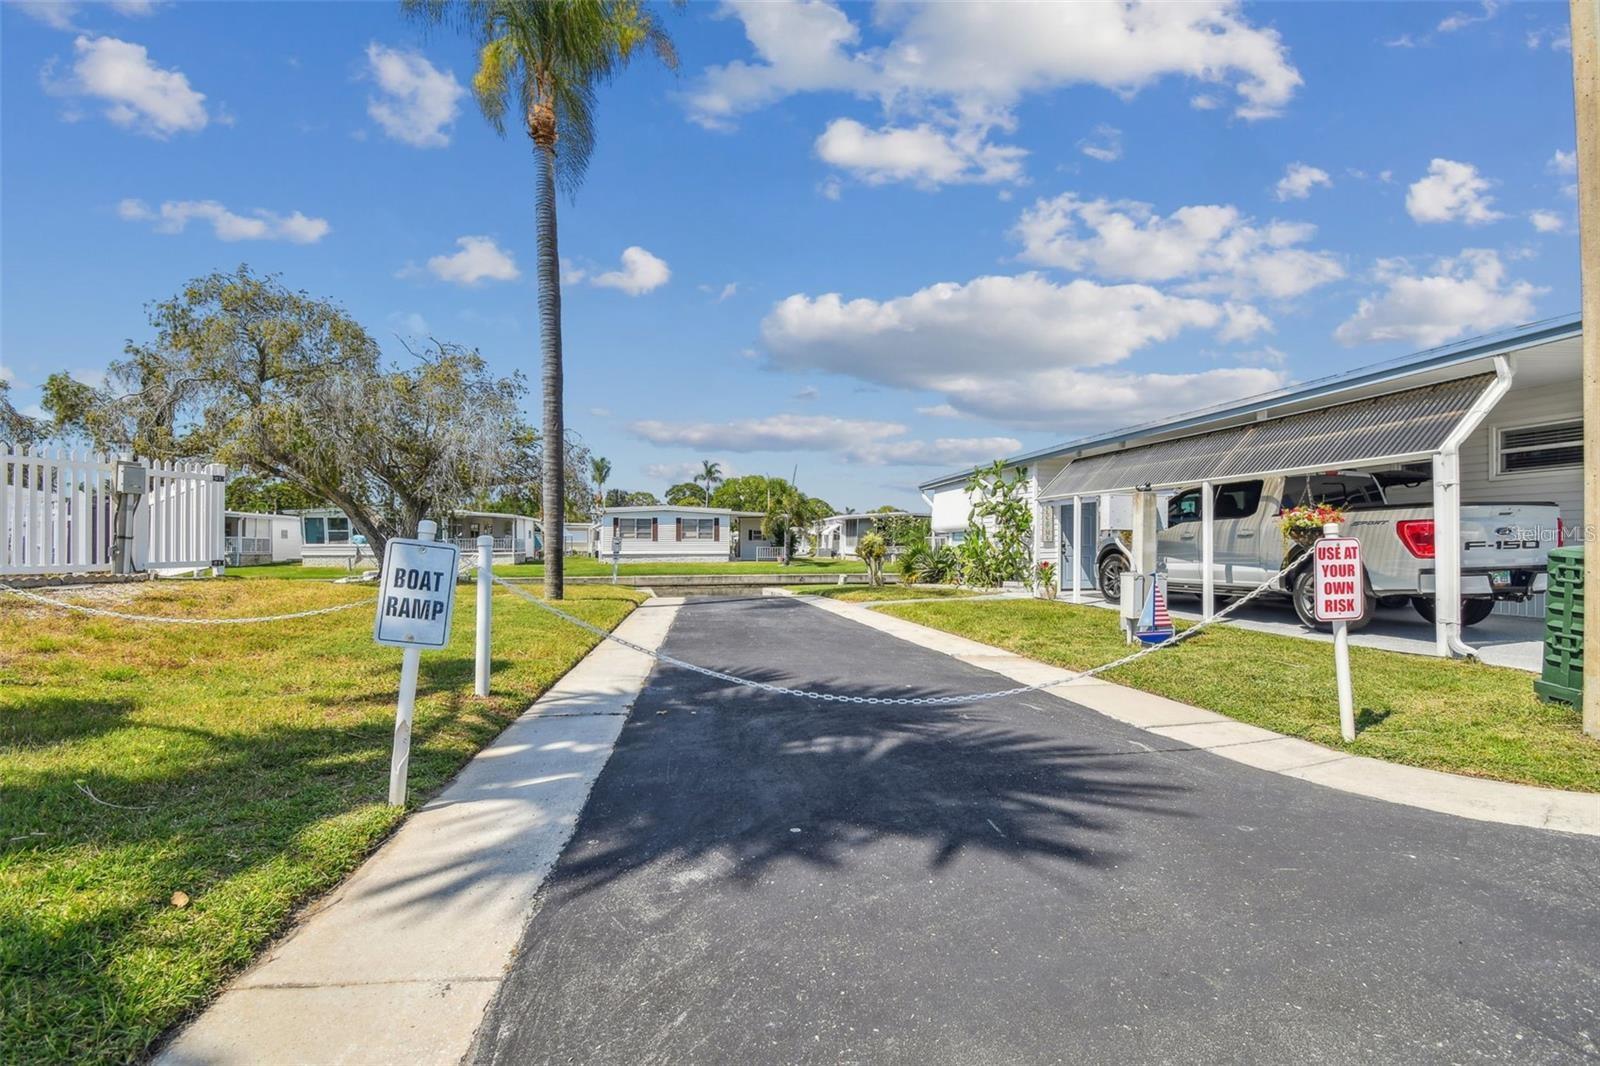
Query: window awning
{"x": 1393, "y": 427}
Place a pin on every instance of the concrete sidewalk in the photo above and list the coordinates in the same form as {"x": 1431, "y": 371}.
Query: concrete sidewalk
{"x": 399, "y": 962}
{"x": 1466, "y": 797}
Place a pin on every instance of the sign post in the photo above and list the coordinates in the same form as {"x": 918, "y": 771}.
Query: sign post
{"x": 485, "y": 610}
{"x": 1340, "y": 599}
{"x": 416, "y": 601}
{"x": 616, "y": 553}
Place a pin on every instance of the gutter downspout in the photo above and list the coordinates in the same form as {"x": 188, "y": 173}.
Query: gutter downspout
{"x": 1447, "y": 516}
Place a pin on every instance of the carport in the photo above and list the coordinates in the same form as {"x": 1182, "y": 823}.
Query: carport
{"x": 1416, "y": 412}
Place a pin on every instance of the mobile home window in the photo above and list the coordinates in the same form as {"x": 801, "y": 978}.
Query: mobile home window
{"x": 634, "y": 528}
{"x": 316, "y": 531}
{"x": 1551, "y": 446}
{"x": 699, "y": 528}
{"x": 338, "y": 530}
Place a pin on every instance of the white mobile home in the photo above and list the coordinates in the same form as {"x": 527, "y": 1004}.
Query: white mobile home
{"x": 837, "y": 535}
{"x": 684, "y": 534}
{"x": 328, "y": 539}
{"x": 1491, "y": 420}
{"x": 252, "y": 539}
{"x": 517, "y": 538}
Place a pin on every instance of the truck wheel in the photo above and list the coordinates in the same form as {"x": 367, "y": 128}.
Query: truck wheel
{"x": 1393, "y": 601}
{"x": 1305, "y": 591}
{"x": 1110, "y": 572}
{"x": 1472, "y": 611}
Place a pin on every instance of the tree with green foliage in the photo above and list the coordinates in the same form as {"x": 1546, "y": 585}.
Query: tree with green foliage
{"x": 685, "y": 494}
{"x": 754, "y": 492}
{"x": 541, "y": 62}
{"x": 268, "y": 495}
{"x": 711, "y": 475}
{"x": 17, "y": 428}
{"x": 600, "y": 470}
{"x": 872, "y": 549}
{"x": 788, "y": 516}
{"x": 902, "y": 531}
{"x": 624, "y": 498}
{"x": 271, "y": 381}
{"x": 999, "y": 542}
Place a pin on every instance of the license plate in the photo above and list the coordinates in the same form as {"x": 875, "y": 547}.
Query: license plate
{"x": 1499, "y": 577}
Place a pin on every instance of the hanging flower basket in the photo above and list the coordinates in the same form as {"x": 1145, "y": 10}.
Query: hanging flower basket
{"x": 1303, "y": 525}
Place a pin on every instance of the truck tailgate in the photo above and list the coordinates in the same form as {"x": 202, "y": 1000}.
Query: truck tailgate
{"x": 1500, "y": 536}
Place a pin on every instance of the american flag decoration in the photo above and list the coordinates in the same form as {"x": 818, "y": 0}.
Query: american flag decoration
{"x": 1155, "y": 624}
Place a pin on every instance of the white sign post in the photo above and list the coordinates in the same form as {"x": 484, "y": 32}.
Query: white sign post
{"x": 616, "y": 553}
{"x": 416, "y": 600}
{"x": 1340, "y": 599}
{"x": 485, "y": 611}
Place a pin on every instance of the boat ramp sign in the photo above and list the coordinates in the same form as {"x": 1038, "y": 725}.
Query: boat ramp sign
{"x": 417, "y": 595}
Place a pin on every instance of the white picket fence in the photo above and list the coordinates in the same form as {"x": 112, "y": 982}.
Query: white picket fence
{"x": 56, "y": 514}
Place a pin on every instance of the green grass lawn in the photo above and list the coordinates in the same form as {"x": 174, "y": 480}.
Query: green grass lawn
{"x": 1463, "y": 717}
{"x": 582, "y": 566}
{"x": 867, "y": 594}
{"x": 250, "y": 769}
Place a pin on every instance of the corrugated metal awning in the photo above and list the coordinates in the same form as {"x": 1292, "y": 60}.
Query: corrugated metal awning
{"x": 1398, "y": 425}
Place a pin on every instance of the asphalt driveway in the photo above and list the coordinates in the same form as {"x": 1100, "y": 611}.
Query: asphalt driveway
{"x": 760, "y": 879}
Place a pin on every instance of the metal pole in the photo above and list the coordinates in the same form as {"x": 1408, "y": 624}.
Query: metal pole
{"x": 1586, "y": 107}
{"x": 405, "y": 709}
{"x": 1341, "y": 664}
{"x": 485, "y": 597}
{"x": 1208, "y": 550}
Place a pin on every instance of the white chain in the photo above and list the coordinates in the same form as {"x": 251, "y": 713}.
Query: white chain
{"x": 906, "y": 701}
{"x": 83, "y": 609}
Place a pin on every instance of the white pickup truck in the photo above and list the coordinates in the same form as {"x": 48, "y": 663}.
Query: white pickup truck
{"x": 1505, "y": 546}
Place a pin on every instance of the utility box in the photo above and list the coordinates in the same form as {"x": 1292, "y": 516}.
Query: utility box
{"x": 132, "y": 479}
{"x": 1562, "y": 676}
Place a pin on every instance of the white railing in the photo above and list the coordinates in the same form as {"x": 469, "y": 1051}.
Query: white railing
{"x": 501, "y": 544}
{"x": 57, "y": 513}
{"x": 239, "y": 547}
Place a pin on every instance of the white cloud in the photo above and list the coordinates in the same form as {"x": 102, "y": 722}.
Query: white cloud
{"x": 641, "y": 272}
{"x": 1020, "y": 350}
{"x": 922, "y": 154}
{"x": 1558, "y": 37}
{"x": 1213, "y": 247}
{"x": 807, "y": 393}
{"x": 418, "y": 102}
{"x": 1241, "y": 322}
{"x": 971, "y": 60}
{"x": 1298, "y": 181}
{"x": 572, "y": 273}
{"x": 1465, "y": 294}
{"x": 1460, "y": 20}
{"x": 1563, "y": 162}
{"x": 409, "y": 324}
{"x": 863, "y": 441}
{"x": 9, "y": 376}
{"x": 259, "y": 225}
{"x": 1104, "y": 144}
{"x": 726, "y": 292}
{"x": 1451, "y": 192}
{"x": 1546, "y": 221}
{"x": 680, "y": 472}
{"x": 831, "y": 188}
{"x": 479, "y": 259}
{"x": 958, "y": 72}
{"x": 939, "y": 410}
{"x": 137, "y": 94}
{"x": 600, "y": 412}
{"x": 90, "y": 376}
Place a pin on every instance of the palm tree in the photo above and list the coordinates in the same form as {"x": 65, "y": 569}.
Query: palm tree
{"x": 541, "y": 61}
{"x": 711, "y": 474}
{"x": 600, "y": 470}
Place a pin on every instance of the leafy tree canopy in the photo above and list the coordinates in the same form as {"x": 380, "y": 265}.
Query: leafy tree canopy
{"x": 245, "y": 371}
{"x": 686, "y": 494}
{"x": 15, "y": 427}
{"x": 624, "y": 498}
{"x": 268, "y": 495}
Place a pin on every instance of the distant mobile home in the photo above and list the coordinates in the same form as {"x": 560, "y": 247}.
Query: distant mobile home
{"x": 684, "y": 534}
{"x": 837, "y": 535}
{"x": 252, "y": 539}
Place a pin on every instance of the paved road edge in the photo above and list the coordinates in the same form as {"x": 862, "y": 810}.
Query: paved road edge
{"x": 400, "y": 962}
{"x": 1263, "y": 749}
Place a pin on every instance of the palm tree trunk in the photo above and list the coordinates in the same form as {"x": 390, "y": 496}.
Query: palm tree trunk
{"x": 555, "y": 437}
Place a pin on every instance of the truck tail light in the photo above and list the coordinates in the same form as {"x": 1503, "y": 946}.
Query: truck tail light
{"x": 1417, "y": 535}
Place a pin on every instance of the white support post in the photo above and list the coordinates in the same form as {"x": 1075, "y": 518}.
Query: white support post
{"x": 485, "y": 615}
{"x": 1077, "y": 549}
{"x": 1341, "y": 665}
{"x": 216, "y": 500}
{"x": 1208, "y": 550}
{"x": 405, "y": 709}
{"x": 1446, "y": 552}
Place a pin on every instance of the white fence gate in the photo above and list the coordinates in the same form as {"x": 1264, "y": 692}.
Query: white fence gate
{"x": 57, "y": 513}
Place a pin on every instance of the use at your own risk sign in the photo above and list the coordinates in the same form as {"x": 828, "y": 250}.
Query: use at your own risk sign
{"x": 417, "y": 595}
{"x": 1338, "y": 594}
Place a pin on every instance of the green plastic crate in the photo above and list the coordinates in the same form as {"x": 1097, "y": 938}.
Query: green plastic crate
{"x": 1562, "y": 677}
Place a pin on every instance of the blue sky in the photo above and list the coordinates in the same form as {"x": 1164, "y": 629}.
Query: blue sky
{"x": 873, "y": 242}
